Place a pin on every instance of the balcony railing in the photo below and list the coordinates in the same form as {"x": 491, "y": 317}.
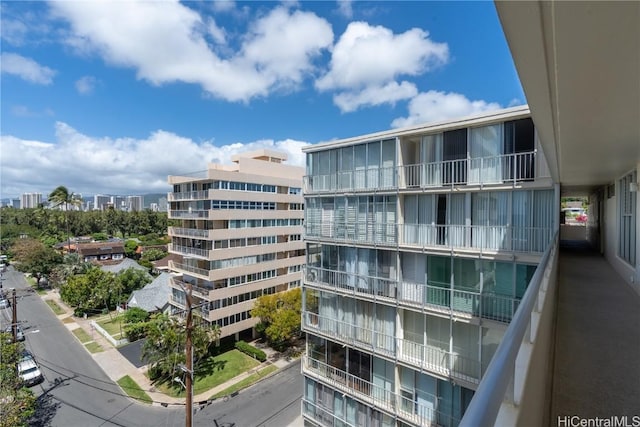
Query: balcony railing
{"x": 426, "y": 357}
{"x": 188, "y": 268}
{"x": 437, "y": 297}
{"x": 189, "y": 195}
{"x": 189, "y": 232}
{"x": 190, "y": 251}
{"x": 473, "y": 237}
{"x": 189, "y": 214}
{"x": 407, "y": 409}
{"x": 506, "y": 168}
{"x": 353, "y": 232}
{"x": 504, "y": 392}
{"x": 200, "y": 291}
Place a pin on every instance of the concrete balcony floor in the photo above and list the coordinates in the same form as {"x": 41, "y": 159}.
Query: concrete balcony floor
{"x": 596, "y": 369}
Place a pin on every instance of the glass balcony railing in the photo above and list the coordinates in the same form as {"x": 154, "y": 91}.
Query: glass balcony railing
{"x": 505, "y": 168}
{"x": 188, "y": 232}
{"x": 190, "y": 251}
{"x": 189, "y": 214}
{"x": 436, "y": 297}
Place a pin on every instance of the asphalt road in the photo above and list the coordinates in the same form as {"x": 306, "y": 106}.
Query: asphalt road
{"x": 274, "y": 402}
{"x": 76, "y": 392}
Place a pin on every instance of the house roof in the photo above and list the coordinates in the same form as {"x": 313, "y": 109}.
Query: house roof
{"x": 154, "y": 296}
{"x": 123, "y": 265}
{"x": 100, "y": 248}
{"x": 164, "y": 262}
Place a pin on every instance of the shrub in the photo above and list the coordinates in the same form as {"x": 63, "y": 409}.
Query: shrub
{"x": 135, "y": 315}
{"x": 135, "y": 331}
{"x": 251, "y": 351}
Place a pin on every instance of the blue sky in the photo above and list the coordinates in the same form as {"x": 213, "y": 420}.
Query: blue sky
{"x": 111, "y": 97}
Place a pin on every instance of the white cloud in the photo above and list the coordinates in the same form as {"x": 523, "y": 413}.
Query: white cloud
{"x": 356, "y": 63}
{"x": 115, "y": 165}
{"x": 278, "y": 51}
{"x": 224, "y": 5}
{"x": 25, "y": 112}
{"x": 13, "y": 31}
{"x": 434, "y": 106}
{"x": 217, "y": 33}
{"x": 86, "y": 84}
{"x": 26, "y": 68}
{"x": 375, "y": 95}
{"x": 345, "y": 8}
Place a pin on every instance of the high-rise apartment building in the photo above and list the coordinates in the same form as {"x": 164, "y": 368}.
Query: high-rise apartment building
{"x": 30, "y": 200}
{"x": 119, "y": 203}
{"x": 101, "y": 202}
{"x": 135, "y": 203}
{"x": 240, "y": 237}
{"x": 420, "y": 244}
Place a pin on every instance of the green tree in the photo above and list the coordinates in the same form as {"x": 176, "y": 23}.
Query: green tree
{"x": 164, "y": 347}
{"x": 153, "y": 254}
{"x": 279, "y": 316}
{"x": 61, "y": 196}
{"x": 17, "y": 403}
{"x": 130, "y": 247}
{"x": 32, "y": 256}
{"x": 132, "y": 279}
{"x": 92, "y": 291}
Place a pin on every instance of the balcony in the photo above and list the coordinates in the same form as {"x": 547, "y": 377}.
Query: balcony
{"x": 186, "y": 268}
{"x": 396, "y": 405}
{"x": 416, "y": 296}
{"x": 429, "y": 358}
{"x": 188, "y": 195}
{"x": 188, "y": 214}
{"x": 188, "y": 232}
{"x": 199, "y": 291}
{"x": 496, "y": 170}
{"x": 461, "y": 237}
{"x": 189, "y": 251}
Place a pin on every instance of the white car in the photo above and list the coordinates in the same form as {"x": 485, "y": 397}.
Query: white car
{"x": 29, "y": 371}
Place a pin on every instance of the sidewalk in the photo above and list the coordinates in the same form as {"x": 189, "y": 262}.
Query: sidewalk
{"x": 116, "y": 366}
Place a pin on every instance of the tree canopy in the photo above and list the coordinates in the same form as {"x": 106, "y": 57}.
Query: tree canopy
{"x": 279, "y": 316}
{"x": 17, "y": 403}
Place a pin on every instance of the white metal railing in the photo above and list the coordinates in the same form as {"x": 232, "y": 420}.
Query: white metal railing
{"x": 405, "y": 408}
{"x": 423, "y": 356}
{"x": 505, "y": 168}
{"x": 415, "y": 295}
{"x": 189, "y": 268}
{"x": 188, "y": 250}
{"x": 325, "y": 417}
{"x": 188, "y": 232}
{"x": 353, "y": 232}
{"x": 188, "y": 214}
{"x": 475, "y": 237}
{"x": 504, "y": 379}
{"x": 200, "y": 291}
{"x": 189, "y": 195}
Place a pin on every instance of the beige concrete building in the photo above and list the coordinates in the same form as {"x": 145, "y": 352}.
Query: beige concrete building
{"x": 240, "y": 237}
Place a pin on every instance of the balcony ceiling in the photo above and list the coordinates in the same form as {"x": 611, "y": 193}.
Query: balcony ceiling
{"x": 579, "y": 64}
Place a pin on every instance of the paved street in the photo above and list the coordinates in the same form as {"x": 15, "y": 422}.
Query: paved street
{"x": 77, "y": 392}
{"x": 274, "y": 402}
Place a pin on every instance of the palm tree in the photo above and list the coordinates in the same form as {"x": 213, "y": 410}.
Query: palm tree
{"x": 61, "y": 196}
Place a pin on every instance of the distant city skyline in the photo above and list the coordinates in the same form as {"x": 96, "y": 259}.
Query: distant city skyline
{"x": 96, "y": 107}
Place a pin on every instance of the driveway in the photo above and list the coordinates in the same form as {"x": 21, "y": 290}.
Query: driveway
{"x": 133, "y": 353}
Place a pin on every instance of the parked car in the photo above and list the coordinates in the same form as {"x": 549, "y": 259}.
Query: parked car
{"x": 29, "y": 371}
{"x": 19, "y": 332}
{"x": 4, "y": 302}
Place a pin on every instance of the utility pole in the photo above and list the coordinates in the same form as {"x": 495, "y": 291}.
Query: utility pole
{"x": 189, "y": 361}
{"x": 14, "y": 317}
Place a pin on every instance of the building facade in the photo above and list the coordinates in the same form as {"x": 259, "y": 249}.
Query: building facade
{"x": 30, "y": 200}
{"x": 240, "y": 237}
{"x": 420, "y": 244}
{"x": 135, "y": 203}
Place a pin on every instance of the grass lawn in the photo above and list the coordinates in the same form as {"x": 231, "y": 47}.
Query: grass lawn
{"x": 215, "y": 371}
{"x": 68, "y": 320}
{"x": 82, "y": 335}
{"x": 94, "y": 347}
{"x": 55, "y": 307}
{"x": 133, "y": 389}
{"x": 251, "y": 379}
{"x": 112, "y": 326}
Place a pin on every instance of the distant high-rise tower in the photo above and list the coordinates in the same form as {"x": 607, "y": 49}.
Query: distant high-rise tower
{"x": 134, "y": 203}
{"x": 30, "y": 200}
{"x": 101, "y": 202}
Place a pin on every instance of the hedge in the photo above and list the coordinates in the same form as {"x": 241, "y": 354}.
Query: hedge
{"x": 251, "y": 351}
